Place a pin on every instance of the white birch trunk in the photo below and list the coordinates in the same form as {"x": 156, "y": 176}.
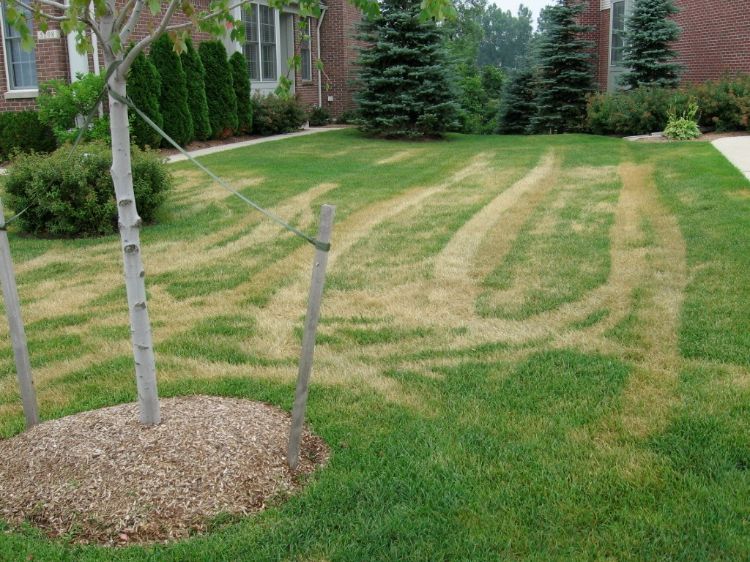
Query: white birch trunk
{"x": 129, "y": 225}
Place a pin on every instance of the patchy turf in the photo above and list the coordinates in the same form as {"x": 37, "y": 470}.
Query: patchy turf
{"x": 531, "y": 348}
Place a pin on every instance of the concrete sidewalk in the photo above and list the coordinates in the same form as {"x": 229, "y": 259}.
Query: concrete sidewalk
{"x": 737, "y": 151}
{"x": 223, "y": 147}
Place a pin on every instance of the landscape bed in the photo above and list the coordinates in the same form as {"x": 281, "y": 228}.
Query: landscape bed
{"x": 531, "y": 347}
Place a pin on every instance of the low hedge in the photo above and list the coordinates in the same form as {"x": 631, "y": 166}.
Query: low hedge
{"x": 22, "y": 131}
{"x": 274, "y": 114}
{"x": 74, "y": 196}
{"x": 723, "y": 105}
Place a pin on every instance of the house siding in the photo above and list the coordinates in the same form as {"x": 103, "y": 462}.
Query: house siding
{"x": 715, "y": 38}
{"x": 337, "y": 53}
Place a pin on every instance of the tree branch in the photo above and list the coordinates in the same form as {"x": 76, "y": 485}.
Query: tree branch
{"x": 45, "y": 15}
{"x": 132, "y": 20}
{"x": 51, "y": 4}
{"x": 206, "y": 17}
{"x": 122, "y": 14}
{"x": 145, "y": 42}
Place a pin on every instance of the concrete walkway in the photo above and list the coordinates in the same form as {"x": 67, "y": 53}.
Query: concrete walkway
{"x": 223, "y": 147}
{"x": 737, "y": 151}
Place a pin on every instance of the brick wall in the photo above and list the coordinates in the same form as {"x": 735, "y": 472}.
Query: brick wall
{"x": 307, "y": 90}
{"x": 338, "y": 53}
{"x": 715, "y": 38}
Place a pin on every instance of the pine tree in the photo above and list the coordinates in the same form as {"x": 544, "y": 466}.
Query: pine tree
{"x": 517, "y": 105}
{"x": 222, "y": 101}
{"x": 173, "y": 101}
{"x": 564, "y": 71}
{"x": 195, "y": 75}
{"x": 241, "y": 83}
{"x": 405, "y": 88}
{"x": 649, "y": 32}
{"x": 144, "y": 88}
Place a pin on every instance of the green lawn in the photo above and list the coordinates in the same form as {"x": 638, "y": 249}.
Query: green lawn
{"x": 531, "y": 348}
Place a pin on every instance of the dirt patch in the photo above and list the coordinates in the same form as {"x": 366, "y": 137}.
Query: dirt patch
{"x": 100, "y": 476}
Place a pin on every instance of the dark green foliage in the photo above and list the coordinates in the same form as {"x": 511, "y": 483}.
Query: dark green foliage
{"x": 318, "y": 116}
{"x": 564, "y": 72}
{"x": 241, "y": 83}
{"x": 173, "y": 100}
{"x": 274, "y": 114}
{"x": 518, "y": 102}
{"x": 61, "y": 103}
{"x": 648, "y": 54}
{"x": 74, "y": 196}
{"x": 348, "y": 117}
{"x": 222, "y": 101}
{"x": 723, "y": 105}
{"x": 405, "y": 89}
{"x": 479, "y": 98}
{"x": 195, "y": 76}
{"x": 24, "y": 132}
{"x": 144, "y": 88}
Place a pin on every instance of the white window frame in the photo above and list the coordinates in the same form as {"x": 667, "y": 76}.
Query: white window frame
{"x": 262, "y": 77}
{"x": 306, "y": 57}
{"x": 15, "y": 93}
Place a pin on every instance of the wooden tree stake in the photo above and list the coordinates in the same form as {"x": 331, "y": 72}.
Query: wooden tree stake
{"x": 17, "y": 333}
{"x": 308, "y": 340}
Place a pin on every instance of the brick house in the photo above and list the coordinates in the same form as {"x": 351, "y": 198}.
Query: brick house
{"x": 272, "y": 37}
{"x": 715, "y": 38}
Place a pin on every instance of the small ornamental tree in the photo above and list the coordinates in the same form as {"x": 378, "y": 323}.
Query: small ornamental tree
{"x": 564, "y": 71}
{"x": 241, "y": 83}
{"x": 173, "y": 101}
{"x": 144, "y": 88}
{"x": 222, "y": 101}
{"x": 517, "y": 105}
{"x": 195, "y": 75}
{"x": 405, "y": 88}
{"x": 648, "y": 55}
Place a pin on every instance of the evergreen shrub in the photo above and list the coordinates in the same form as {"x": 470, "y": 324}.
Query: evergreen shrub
{"x": 318, "y": 116}
{"x": 220, "y": 96}
{"x": 274, "y": 114}
{"x": 195, "y": 75}
{"x": 75, "y": 196}
{"x": 173, "y": 100}
{"x": 241, "y": 84}
{"x": 22, "y": 131}
{"x": 144, "y": 89}
{"x": 517, "y": 105}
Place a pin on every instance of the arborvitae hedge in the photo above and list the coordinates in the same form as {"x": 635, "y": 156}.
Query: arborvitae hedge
{"x": 241, "y": 83}
{"x": 144, "y": 88}
{"x": 173, "y": 101}
{"x": 564, "y": 78}
{"x": 648, "y": 53}
{"x": 517, "y": 105}
{"x": 222, "y": 101}
{"x": 405, "y": 89}
{"x": 195, "y": 75}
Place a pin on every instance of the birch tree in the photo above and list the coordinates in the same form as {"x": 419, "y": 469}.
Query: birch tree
{"x": 113, "y": 23}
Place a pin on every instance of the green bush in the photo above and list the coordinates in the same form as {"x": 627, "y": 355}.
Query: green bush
{"x": 479, "y": 99}
{"x": 241, "y": 83}
{"x": 195, "y": 75}
{"x": 75, "y": 196}
{"x": 633, "y": 112}
{"x": 724, "y": 103}
{"x": 22, "y": 131}
{"x": 222, "y": 101}
{"x": 347, "y": 117}
{"x": 318, "y": 116}
{"x": 683, "y": 126}
{"x": 144, "y": 88}
{"x": 61, "y": 104}
{"x": 173, "y": 101}
{"x": 273, "y": 115}
{"x": 518, "y": 102}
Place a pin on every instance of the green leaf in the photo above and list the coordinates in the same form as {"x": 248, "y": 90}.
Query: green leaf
{"x": 154, "y": 6}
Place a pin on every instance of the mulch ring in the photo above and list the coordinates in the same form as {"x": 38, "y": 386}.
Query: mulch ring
{"x": 102, "y": 477}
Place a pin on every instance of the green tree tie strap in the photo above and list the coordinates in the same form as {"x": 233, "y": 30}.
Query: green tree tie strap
{"x": 324, "y": 246}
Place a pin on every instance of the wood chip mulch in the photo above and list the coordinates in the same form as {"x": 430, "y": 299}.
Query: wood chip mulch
{"x": 102, "y": 477}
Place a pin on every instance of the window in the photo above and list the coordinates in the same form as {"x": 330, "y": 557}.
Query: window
{"x": 617, "y": 42}
{"x": 306, "y": 52}
{"x": 260, "y": 42}
{"x": 21, "y": 65}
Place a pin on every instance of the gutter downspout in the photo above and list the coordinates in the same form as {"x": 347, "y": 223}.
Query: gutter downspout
{"x": 320, "y": 58}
